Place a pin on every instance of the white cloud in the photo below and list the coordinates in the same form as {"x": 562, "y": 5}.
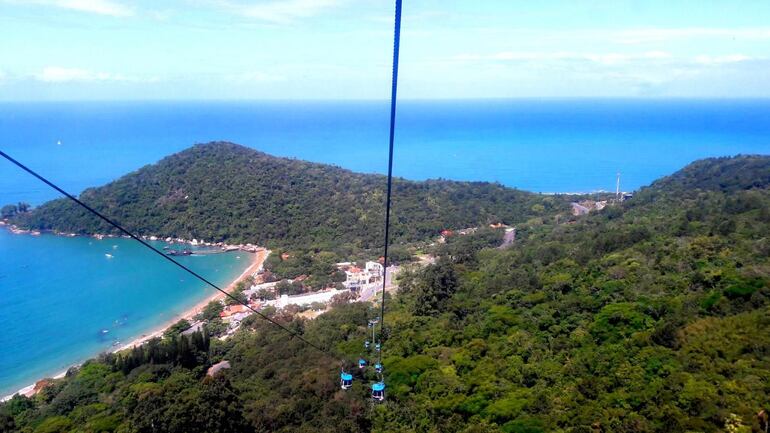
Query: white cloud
{"x": 721, "y": 60}
{"x": 601, "y": 58}
{"x": 279, "y": 11}
{"x": 641, "y": 36}
{"x": 56, "y": 74}
{"x": 100, "y": 7}
{"x": 657, "y": 58}
{"x": 256, "y": 77}
{"x": 641, "y": 73}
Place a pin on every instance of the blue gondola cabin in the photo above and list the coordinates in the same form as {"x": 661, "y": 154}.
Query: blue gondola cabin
{"x": 361, "y": 363}
{"x": 346, "y": 380}
{"x": 378, "y": 391}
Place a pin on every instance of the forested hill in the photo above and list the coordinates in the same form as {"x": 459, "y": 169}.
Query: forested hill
{"x": 650, "y": 316}
{"x": 226, "y": 192}
{"x": 719, "y": 174}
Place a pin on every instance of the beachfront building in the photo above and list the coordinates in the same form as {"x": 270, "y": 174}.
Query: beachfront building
{"x": 234, "y": 312}
{"x": 357, "y": 278}
{"x": 269, "y": 287}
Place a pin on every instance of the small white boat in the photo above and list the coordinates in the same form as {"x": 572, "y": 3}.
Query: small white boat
{"x": 58, "y": 142}
{"x": 109, "y": 256}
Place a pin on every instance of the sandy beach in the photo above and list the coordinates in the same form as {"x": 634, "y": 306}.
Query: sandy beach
{"x": 257, "y": 260}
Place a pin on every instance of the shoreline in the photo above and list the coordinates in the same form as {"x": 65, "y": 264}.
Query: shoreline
{"x": 257, "y": 262}
{"x": 259, "y": 259}
{"x": 223, "y": 246}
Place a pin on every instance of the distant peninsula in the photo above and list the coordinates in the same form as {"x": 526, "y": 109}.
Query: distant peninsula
{"x": 225, "y": 192}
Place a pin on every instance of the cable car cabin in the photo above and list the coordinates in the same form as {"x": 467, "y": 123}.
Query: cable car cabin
{"x": 378, "y": 367}
{"x": 362, "y": 363}
{"x": 346, "y": 380}
{"x": 377, "y": 347}
{"x": 378, "y": 391}
{"x": 366, "y": 345}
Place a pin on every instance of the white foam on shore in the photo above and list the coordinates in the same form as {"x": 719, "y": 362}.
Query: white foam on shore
{"x": 24, "y": 391}
{"x": 28, "y": 390}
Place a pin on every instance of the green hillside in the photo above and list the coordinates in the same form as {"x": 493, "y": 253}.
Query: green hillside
{"x": 226, "y": 192}
{"x": 651, "y": 316}
{"x": 719, "y": 174}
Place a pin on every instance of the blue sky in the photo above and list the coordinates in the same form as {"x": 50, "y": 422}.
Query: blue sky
{"x": 340, "y": 49}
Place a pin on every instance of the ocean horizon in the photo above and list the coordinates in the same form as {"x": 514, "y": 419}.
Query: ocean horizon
{"x": 60, "y": 294}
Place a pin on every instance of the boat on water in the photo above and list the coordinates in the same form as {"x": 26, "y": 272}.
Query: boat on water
{"x": 179, "y": 252}
{"x": 109, "y": 256}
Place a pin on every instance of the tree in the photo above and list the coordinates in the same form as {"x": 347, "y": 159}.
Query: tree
{"x": 211, "y": 311}
{"x": 239, "y": 296}
{"x": 264, "y": 295}
{"x": 283, "y": 287}
{"x": 177, "y": 328}
{"x": 8, "y": 211}
{"x": 435, "y": 286}
{"x": 7, "y": 424}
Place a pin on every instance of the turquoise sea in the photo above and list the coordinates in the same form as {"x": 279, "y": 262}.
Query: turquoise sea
{"x": 58, "y": 295}
{"x": 63, "y": 300}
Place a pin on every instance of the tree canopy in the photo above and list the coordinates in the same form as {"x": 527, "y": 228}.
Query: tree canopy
{"x": 649, "y": 316}
{"x": 225, "y": 192}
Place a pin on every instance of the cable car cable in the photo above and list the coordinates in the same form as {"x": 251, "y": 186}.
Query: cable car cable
{"x": 378, "y": 388}
{"x": 393, "y": 98}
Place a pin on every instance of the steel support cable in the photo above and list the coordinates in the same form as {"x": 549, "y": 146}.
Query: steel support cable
{"x": 160, "y": 253}
{"x": 393, "y": 93}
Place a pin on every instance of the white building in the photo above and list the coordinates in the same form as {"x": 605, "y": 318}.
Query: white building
{"x": 270, "y": 287}
{"x": 374, "y": 268}
{"x": 357, "y": 278}
{"x": 307, "y": 299}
